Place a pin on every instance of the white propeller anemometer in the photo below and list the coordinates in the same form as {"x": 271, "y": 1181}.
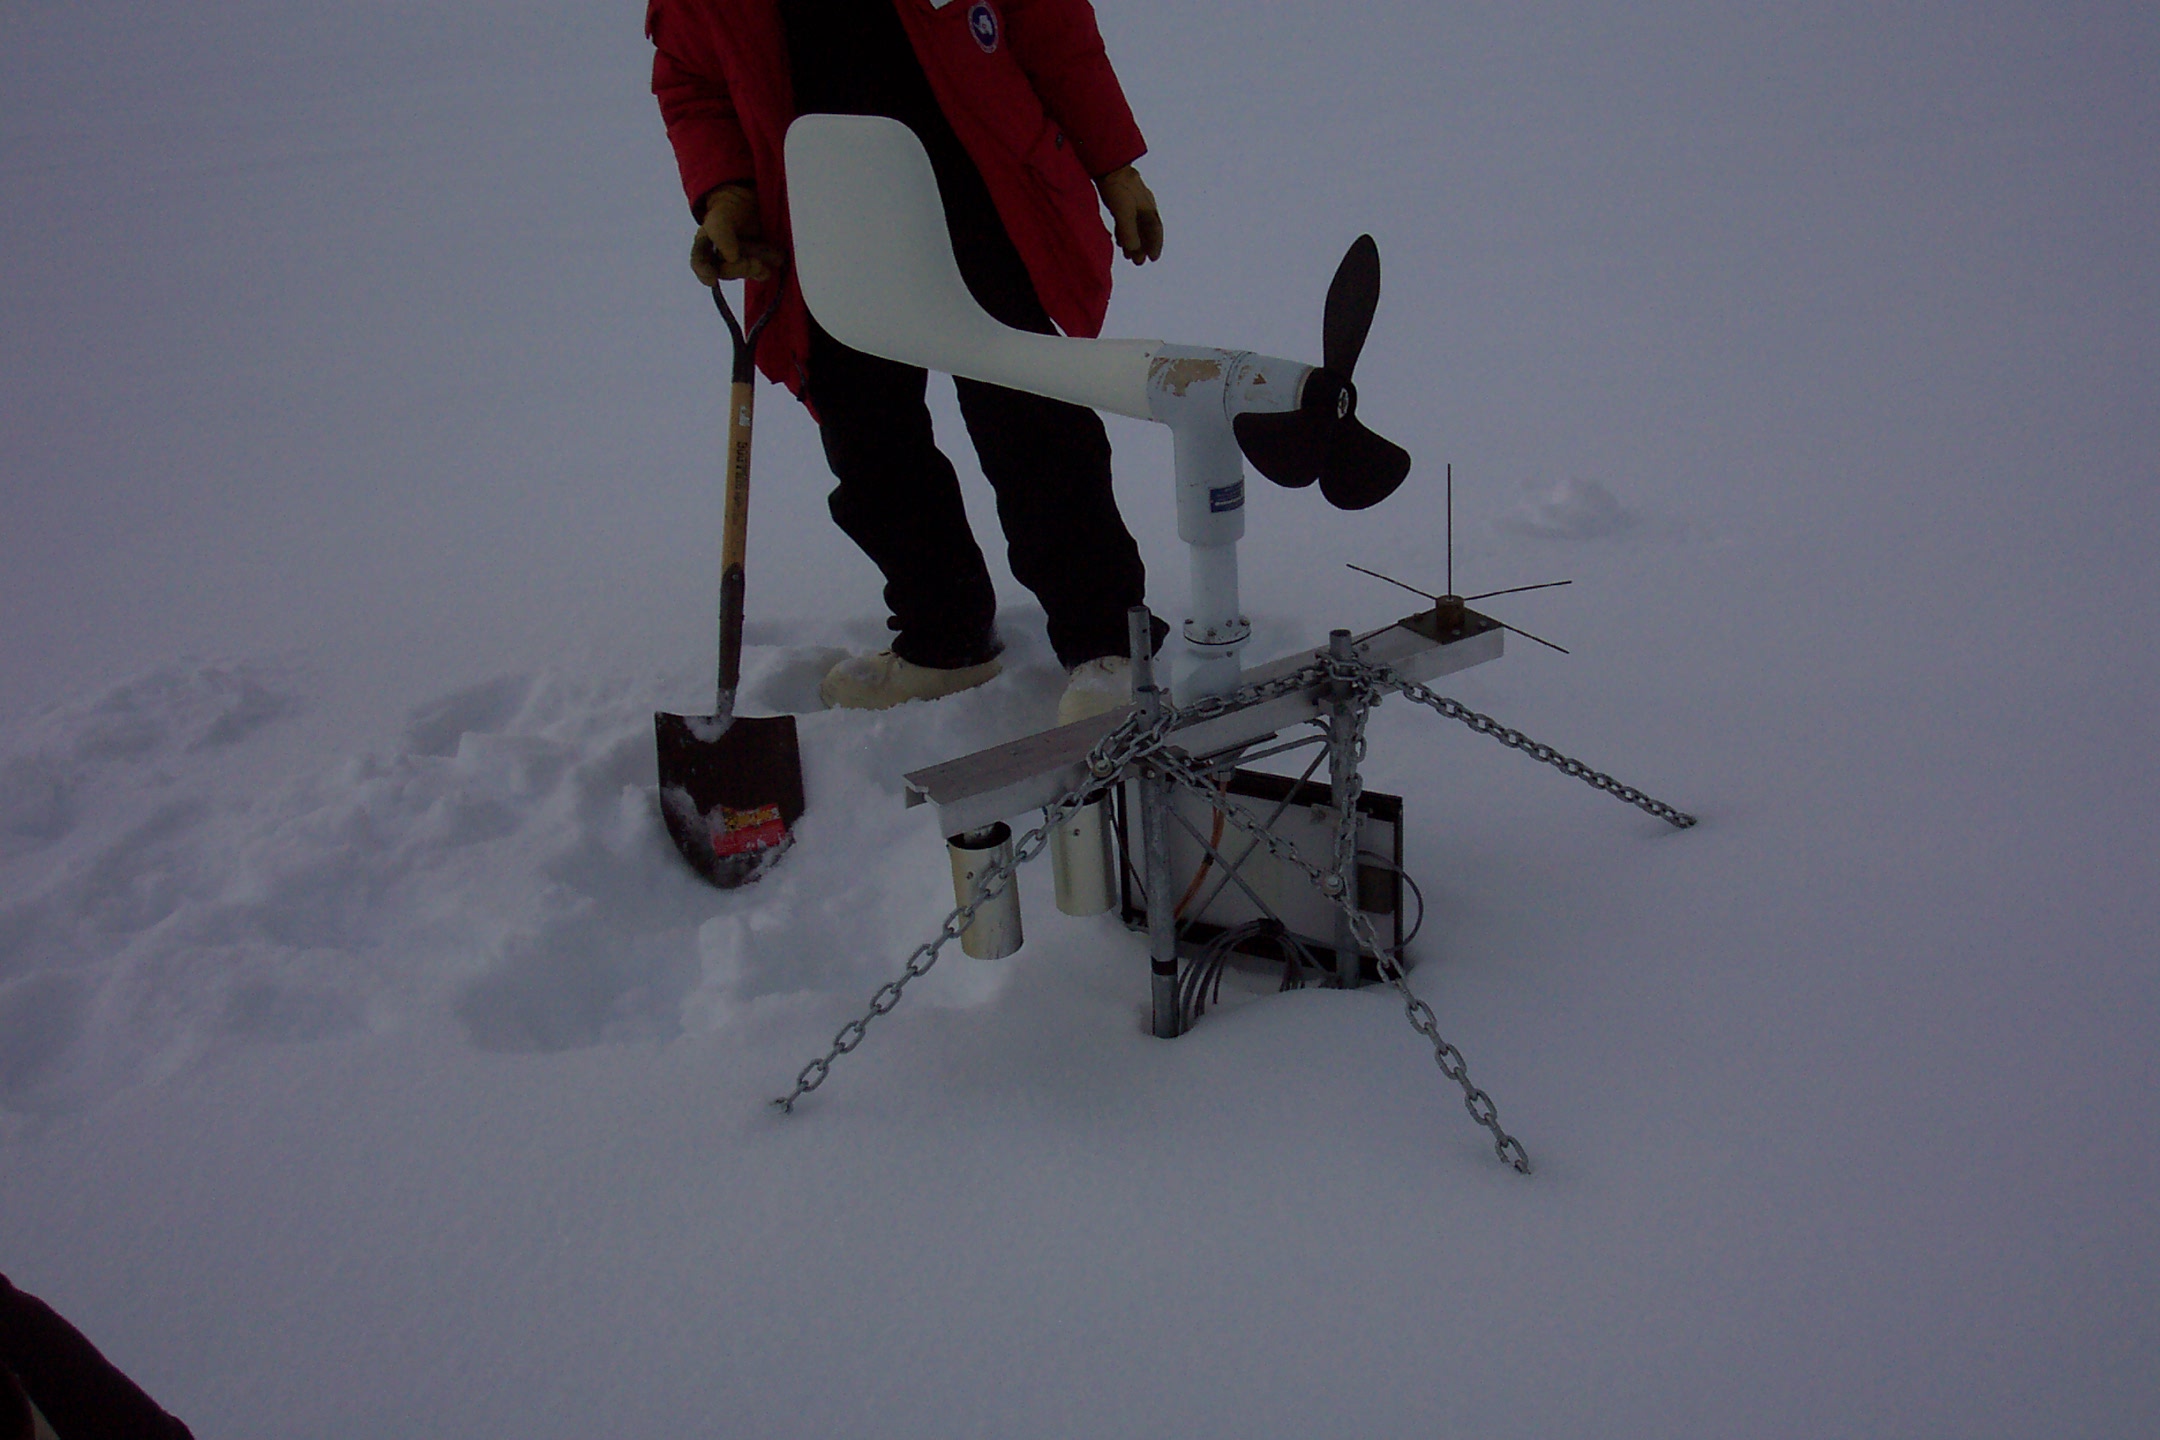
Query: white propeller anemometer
{"x": 875, "y": 262}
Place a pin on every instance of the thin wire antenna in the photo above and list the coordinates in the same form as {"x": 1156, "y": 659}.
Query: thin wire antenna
{"x": 1528, "y": 636}
{"x": 1393, "y": 581}
{"x": 1518, "y": 589}
{"x": 1450, "y": 530}
{"x": 1430, "y": 596}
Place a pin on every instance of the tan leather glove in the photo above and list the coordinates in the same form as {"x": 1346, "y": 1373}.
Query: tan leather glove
{"x": 1133, "y": 216}
{"x": 731, "y": 244}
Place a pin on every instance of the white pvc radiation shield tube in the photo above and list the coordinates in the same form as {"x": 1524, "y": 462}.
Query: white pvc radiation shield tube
{"x": 1080, "y": 861}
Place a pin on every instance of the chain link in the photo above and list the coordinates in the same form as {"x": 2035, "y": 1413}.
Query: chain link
{"x": 1358, "y": 686}
{"x": 1516, "y": 740}
{"x": 1108, "y": 759}
{"x": 1354, "y": 698}
{"x": 1182, "y": 769}
{"x": 1111, "y": 756}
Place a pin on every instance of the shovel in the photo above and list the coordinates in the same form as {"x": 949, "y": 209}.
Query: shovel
{"x": 731, "y": 786}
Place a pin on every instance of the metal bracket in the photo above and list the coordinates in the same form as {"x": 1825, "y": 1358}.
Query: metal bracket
{"x": 1006, "y": 780}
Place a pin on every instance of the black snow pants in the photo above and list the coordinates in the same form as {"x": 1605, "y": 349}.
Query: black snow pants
{"x": 1048, "y": 462}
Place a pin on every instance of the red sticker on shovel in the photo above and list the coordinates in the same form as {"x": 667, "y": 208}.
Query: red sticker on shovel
{"x": 738, "y": 832}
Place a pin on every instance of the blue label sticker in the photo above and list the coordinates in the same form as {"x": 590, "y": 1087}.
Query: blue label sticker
{"x": 1225, "y": 497}
{"x": 983, "y": 25}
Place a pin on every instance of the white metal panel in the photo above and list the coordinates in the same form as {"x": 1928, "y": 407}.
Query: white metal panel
{"x": 875, "y": 262}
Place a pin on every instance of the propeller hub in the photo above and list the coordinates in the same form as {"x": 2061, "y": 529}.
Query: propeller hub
{"x": 1329, "y": 393}
{"x": 1323, "y": 440}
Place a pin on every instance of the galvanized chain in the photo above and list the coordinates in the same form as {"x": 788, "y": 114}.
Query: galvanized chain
{"x": 1209, "y": 707}
{"x": 919, "y": 963}
{"x": 1108, "y": 761}
{"x": 1516, "y": 740}
{"x": 1333, "y": 884}
{"x": 1136, "y": 740}
{"x": 1355, "y": 692}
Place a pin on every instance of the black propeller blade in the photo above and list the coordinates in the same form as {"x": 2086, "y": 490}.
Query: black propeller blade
{"x": 1352, "y": 297}
{"x": 1323, "y": 439}
{"x": 1362, "y": 468}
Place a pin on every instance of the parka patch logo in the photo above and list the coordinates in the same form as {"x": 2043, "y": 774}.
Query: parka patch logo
{"x": 983, "y": 25}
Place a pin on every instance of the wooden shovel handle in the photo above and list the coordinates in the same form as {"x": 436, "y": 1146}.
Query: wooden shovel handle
{"x": 735, "y": 515}
{"x": 735, "y": 523}
{"x": 734, "y": 541}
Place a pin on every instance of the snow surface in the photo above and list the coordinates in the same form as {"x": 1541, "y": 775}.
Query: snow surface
{"x": 368, "y": 1065}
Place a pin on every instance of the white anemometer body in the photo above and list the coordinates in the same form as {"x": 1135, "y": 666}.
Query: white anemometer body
{"x": 875, "y": 262}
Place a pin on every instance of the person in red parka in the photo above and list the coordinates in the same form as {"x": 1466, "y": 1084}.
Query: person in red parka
{"x": 1029, "y": 134}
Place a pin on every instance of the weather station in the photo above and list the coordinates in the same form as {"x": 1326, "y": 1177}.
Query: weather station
{"x": 1153, "y": 808}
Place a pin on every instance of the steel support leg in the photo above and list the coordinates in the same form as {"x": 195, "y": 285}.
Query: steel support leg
{"x": 1342, "y": 770}
{"x": 1155, "y": 800}
{"x": 1156, "y": 792}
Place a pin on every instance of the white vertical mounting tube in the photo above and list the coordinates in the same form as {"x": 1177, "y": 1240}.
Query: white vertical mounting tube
{"x": 1187, "y": 389}
{"x": 1215, "y": 621}
{"x": 994, "y": 932}
{"x": 1080, "y": 861}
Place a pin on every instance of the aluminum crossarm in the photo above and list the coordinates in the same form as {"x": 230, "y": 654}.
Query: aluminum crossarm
{"x": 1006, "y": 780}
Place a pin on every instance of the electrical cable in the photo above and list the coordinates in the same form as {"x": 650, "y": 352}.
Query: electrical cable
{"x": 1207, "y": 856}
{"x": 1381, "y": 862}
{"x": 1199, "y": 980}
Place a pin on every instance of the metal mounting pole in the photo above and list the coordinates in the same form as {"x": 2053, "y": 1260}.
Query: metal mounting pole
{"x": 1342, "y": 774}
{"x": 1155, "y": 801}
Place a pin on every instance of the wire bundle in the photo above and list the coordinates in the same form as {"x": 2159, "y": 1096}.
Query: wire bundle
{"x": 1200, "y": 979}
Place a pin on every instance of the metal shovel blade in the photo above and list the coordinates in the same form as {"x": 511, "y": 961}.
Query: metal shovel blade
{"x": 731, "y": 789}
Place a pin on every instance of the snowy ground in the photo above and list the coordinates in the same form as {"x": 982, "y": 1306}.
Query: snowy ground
{"x": 369, "y": 1066}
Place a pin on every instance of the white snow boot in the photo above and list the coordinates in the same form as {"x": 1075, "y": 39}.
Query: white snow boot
{"x": 883, "y": 680}
{"x": 1095, "y": 686}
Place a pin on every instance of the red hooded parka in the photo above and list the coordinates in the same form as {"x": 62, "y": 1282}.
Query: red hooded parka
{"x": 1025, "y": 85}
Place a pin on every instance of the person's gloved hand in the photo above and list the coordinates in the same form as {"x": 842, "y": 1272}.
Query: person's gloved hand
{"x": 1133, "y": 216}
{"x": 731, "y": 244}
